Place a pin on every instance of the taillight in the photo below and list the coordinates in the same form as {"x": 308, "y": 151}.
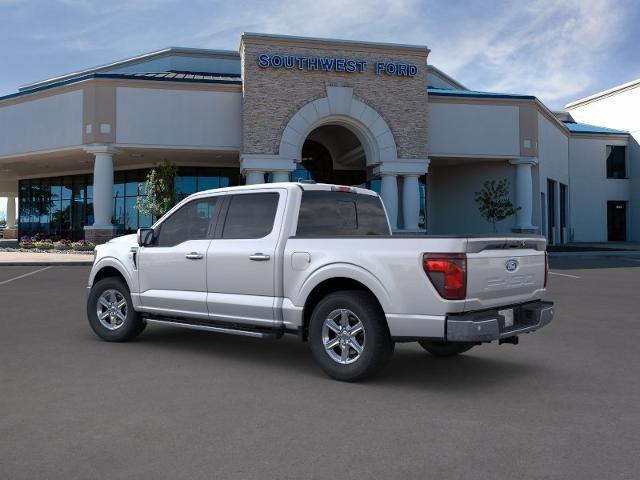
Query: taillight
{"x": 448, "y": 273}
{"x": 546, "y": 268}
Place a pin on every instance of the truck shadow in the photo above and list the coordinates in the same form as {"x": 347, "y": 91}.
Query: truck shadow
{"x": 289, "y": 357}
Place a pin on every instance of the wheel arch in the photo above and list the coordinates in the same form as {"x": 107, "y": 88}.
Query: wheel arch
{"x": 110, "y": 267}
{"x": 335, "y": 279}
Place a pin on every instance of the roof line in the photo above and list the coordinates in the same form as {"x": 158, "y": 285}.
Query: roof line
{"x": 122, "y": 76}
{"x": 446, "y": 76}
{"x": 604, "y": 93}
{"x": 443, "y": 92}
{"x": 271, "y": 36}
{"x": 129, "y": 61}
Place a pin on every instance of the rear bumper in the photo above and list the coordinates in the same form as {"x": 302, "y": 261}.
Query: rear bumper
{"x": 489, "y": 325}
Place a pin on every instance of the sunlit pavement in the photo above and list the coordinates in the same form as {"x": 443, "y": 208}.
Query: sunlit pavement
{"x": 185, "y": 404}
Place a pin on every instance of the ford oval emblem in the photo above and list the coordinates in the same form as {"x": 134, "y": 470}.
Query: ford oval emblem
{"x": 511, "y": 265}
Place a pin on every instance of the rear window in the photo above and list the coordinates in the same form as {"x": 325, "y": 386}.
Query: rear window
{"x": 331, "y": 214}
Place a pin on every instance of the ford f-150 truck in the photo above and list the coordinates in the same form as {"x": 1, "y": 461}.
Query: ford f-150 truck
{"x": 318, "y": 261}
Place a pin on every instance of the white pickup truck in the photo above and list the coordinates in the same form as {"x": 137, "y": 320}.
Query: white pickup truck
{"x": 318, "y": 261}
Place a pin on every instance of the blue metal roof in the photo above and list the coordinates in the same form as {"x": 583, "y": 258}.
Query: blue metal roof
{"x": 594, "y": 129}
{"x": 172, "y": 76}
{"x": 447, "y": 92}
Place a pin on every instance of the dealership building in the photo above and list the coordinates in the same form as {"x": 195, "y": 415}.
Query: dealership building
{"x": 75, "y": 150}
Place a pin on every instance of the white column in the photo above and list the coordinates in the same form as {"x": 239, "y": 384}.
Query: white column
{"x": 102, "y": 185}
{"x": 410, "y": 202}
{"x": 102, "y": 190}
{"x": 524, "y": 193}
{"x": 11, "y": 212}
{"x": 280, "y": 176}
{"x": 254, "y": 177}
{"x": 389, "y": 194}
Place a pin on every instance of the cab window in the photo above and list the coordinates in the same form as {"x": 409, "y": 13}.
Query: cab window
{"x": 193, "y": 221}
{"x": 250, "y": 215}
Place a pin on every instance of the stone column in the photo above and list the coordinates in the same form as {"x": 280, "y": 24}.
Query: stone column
{"x": 389, "y": 194}
{"x": 524, "y": 194}
{"x": 102, "y": 229}
{"x": 11, "y": 212}
{"x": 410, "y": 201}
{"x": 280, "y": 176}
{"x": 254, "y": 177}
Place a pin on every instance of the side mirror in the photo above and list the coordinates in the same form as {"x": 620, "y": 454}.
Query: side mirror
{"x": 145, "y": 237}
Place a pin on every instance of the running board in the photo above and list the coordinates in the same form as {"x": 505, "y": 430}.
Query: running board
{"x": 211, "y": 328}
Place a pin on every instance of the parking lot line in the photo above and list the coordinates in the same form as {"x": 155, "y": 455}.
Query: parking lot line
{"x": 564, "y": 275}
{"x": 25, "y": 275}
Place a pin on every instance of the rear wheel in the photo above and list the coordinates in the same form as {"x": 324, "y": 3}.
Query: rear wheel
{"x": 110, "y": 311}
{"x": 348, "y": 336}
{"x": 446, "y": 349}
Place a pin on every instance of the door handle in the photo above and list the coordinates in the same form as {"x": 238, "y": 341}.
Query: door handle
{"x": 259, "y": 257}
{"x": 194, "y": 256}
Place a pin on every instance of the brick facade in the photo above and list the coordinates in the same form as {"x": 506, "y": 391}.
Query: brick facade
{"x": 271, "y": 96}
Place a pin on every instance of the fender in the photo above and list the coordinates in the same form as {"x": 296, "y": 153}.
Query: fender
{"x": 114, "y": 262}
{"x": 344, "y": 270}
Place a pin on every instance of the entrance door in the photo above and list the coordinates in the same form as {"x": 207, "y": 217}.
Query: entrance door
{"x": 617, "y": 221}
{"x": 551, "y": 211}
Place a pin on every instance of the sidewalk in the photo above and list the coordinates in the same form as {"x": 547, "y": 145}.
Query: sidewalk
{"x": 604, "y": 249}
{"x": 44, "y": 259}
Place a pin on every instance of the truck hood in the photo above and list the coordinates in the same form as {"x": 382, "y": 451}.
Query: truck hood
{"x": 130, "y": 239}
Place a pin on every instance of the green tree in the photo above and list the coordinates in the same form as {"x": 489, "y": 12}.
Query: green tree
{"x": 160, "y": 190}
{"x": 494, "y": 203}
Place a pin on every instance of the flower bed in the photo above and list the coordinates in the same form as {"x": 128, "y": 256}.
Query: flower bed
{"x": 44, "y": 245}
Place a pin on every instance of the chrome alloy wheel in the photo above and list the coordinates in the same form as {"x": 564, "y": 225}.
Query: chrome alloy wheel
{"x": 343, "y": 336}
{"x": 112, "y": 309}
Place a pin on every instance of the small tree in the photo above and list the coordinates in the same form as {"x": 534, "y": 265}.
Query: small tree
{"x": 160, "y": 190}
{"x": 494, "y": 203}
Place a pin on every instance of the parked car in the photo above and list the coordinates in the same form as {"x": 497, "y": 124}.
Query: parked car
{"x": 317, "y": 261}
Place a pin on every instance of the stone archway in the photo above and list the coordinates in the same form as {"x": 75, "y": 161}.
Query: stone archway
{"x": 339, "y": 107}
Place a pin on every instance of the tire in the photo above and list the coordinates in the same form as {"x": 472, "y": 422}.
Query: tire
{"x": 125, "y": 323}
{"x": 446, "y": 349}
{"x": 367, "y": 330}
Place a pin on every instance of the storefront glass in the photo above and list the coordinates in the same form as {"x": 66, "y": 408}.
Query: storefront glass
{"x": 60, "y": 207}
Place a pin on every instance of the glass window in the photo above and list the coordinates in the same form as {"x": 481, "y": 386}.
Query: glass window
{"x": 118, "y": 213}
{"x": 90, "y": 186}
{"x": 131, "y": 183}
{"x": 67, "y": 188}
{"x": 79, "y": 187}
{"x": 186, "y": 182}
{"x": 326, "y": 214}
{"x": 130, "y": 214}
{"x": 251, "y": 215}
{"x": 207, "y": 183}
{"x": 56, "y": 189}
{"x": 616, "y": 161}
{"x": 118, "y": 184}
{"x": 190, "y": 222}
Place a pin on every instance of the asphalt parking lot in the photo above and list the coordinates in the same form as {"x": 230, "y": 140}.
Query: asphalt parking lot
{"x": 185, "y": 404}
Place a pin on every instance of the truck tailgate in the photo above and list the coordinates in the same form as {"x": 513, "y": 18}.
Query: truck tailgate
{"x": 503, "y": 271}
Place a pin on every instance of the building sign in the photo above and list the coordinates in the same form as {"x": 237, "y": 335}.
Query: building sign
{"x": 341, "y": 65}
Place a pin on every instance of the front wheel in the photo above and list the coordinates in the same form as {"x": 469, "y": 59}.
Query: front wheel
{"x": 110, "y": 311}
{"x": 349, "y": 337}
{"x": 446, "y": 349}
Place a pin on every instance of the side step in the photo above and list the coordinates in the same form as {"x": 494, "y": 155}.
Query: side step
{"x": 214, "y": 328}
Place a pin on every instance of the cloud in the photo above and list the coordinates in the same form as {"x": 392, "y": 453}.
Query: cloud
{"x": 552, "y": 49}
{"x": 555, "y": 49}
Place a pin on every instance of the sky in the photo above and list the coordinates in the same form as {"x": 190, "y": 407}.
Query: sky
{"x": 558, "y": 50}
